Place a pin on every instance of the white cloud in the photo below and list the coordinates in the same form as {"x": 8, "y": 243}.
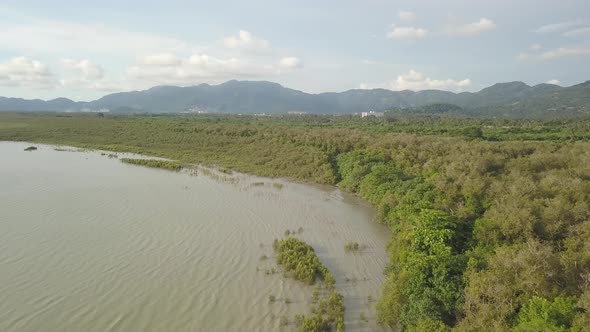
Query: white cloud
{"x": 110, "y": 86}
{"x": 472, "y": 29}
{"x": 536, "y": 47}
{"x": 290, "y": 63}
{"x": 150, "y": 58}
{"x": 168, "y": 68}
{"x": 571, "y": 29}
{"x": 563, "y": 52}
{"x": 407, "y": 33}
{"x": 406, "y": 16}
{"x": 204, "y": 67}
{"x": 581, "y": 32}
{"x": 200, "y": 67}
{"x": 555, "y": 54}
{"x": 34, "y": 35}
{"x": 523, "y": 56}
{"x": 83, "y": 74}
{"x": 245, "y": 41}
{"x": 162, "y": 59}
{"x": 24, "y": 72}
{"x": 84, "y": 68}
{"x": 553, "y": 81}
{"x": 414, "y": 80}
{"x": 369, "y": 62}
{"x": 556, "y": 27}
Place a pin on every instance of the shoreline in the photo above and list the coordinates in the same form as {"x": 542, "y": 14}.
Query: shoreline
{"x": 245, "y": 182}
{"x": 209, "y": 166}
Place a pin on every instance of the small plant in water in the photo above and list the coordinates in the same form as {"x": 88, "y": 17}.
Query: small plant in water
{"x": 283, "y": 321}
{"x": 278, "y": 185}
{"x": 315, "y": 296}
{"x": 271, "y": 298}
{"x": 363, "y": 317}
{"x": 287, "y": 300}
{"x": 263, "y": 257}
{"x": 352, "y": 246}
{"x": 225, "y": 170}
{"x": 298, "y": 319}
{"x": 287, "y": 232}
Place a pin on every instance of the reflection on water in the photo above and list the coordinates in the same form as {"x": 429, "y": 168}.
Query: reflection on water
{"x": 88, "y": 243}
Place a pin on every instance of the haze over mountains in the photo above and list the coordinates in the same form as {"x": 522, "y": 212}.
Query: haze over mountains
{"x": 513, "y": 99}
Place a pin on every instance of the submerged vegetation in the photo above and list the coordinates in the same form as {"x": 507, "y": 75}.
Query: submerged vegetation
{"x": 110, "y": 155}
{"x": 300, "y": 261}
{"x": 490, "y": 218}
{"x": 352, "y": 246}
{"x": 155, "y": 163}
{"x": 298, "y": 258}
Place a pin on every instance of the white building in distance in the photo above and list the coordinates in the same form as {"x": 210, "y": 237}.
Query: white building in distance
{"x": 372, "y": 113}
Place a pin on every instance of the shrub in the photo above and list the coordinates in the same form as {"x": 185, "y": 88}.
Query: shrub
{"x": 298, "y": 257}
{"x": 283, "y": 321}
{"x": 352, "y": 246}
{"x": 363, "y": 317}
{"x": 155, "y": 163}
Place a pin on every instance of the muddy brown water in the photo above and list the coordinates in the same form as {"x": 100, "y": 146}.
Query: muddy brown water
{"x": 88, "y": 243}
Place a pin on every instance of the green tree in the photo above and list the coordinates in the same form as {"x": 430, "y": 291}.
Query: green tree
{"x": 539, "y": 314}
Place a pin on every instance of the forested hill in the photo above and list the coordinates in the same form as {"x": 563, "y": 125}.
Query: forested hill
{"x": 514, "y": 99}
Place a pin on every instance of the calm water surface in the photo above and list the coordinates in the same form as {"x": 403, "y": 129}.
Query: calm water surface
{"x": 88, "y": 243}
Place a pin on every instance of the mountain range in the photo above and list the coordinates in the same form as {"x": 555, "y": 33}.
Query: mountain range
{"x": 513, "y": 99}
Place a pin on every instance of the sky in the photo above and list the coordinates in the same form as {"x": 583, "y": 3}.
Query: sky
{"x": 83, "y": 50}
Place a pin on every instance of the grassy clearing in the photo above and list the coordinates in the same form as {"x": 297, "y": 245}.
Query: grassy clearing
{"x": 12, "y": 125}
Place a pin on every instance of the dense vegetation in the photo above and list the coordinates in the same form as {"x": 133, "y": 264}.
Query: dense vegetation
{"x": 490, "y": 218}
{"x": 298, "y": 258}
{"x": 155, "y": 163}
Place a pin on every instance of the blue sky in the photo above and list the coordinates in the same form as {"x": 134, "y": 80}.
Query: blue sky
{"x": 83, "y": 50}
